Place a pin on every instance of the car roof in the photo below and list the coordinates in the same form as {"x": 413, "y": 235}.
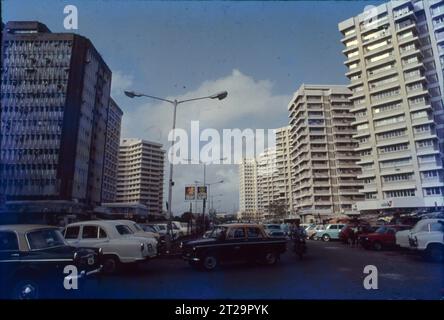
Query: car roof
{"x": 96, "y": 222}
{"x": 240, "y": 225}
{"x": 23, "y": 228}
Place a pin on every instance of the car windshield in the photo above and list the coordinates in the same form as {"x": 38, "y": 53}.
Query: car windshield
{"x": 381, "y": 230}
{"x": 137, "y": 227}
{"x": 216, "y": 232}
{"x": 161, "y": 227}
{"x": 123, "y": 230}
{"x": 273, "y": 226}
{"x": 44, "y": 239}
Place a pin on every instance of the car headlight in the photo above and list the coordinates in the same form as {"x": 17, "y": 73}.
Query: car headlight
{"x": 142, "y": 246}
{"x": 194, "y": 248}
{"x": 181, "y": 245}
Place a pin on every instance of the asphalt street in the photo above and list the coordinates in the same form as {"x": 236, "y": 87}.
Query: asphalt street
{"x": 329, "y": 271}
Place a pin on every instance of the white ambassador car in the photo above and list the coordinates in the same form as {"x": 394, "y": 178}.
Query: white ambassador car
{"x": 427, "y": 236}
{"x": 119, "y": 244}
{"x": 138, "y": 230}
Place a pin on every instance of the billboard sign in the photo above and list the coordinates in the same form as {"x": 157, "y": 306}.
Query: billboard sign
{"x": 190, "y": 193}
{"x": 201, "y": 192}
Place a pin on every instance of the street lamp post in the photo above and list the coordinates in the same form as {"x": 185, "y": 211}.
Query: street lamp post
{"x": 131, "y": 94}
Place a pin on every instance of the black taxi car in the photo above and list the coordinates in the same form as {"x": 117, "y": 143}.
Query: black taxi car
{"x": 33, "y": 260}
{"x": 233, "y": 242}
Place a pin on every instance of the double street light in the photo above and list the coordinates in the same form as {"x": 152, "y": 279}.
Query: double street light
{"x": 131, "y": 94}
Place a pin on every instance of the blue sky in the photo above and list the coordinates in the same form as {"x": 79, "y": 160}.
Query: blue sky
{"x": 262, "y": 51}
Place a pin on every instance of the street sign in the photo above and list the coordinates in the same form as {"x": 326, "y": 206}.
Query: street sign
{"x": 190, "y": 193}
{"x": 201, "y": 193}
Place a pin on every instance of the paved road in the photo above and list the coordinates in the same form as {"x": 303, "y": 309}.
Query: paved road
{"x": 329, "y": 271}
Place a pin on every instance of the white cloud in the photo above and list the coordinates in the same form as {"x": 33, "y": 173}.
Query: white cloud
{"x": 120, "y": 82}
{"x": 250, "y": 104}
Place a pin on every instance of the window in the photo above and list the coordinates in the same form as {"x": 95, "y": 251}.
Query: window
{"x": 8, "y": 241}
{"x": 433, "y": 191}
{"x": 102, "y": 233}
{"x": 123, "y": 230}
{"x": 437, "y": 226}
{"x": 72, "y": 232}
{"x": 89, "y": 232}
{"x": 236, "y": 233}
{"x": 44, "y": 239}
{"x": 387, "y": 121}
{"x": 254, "y": 233}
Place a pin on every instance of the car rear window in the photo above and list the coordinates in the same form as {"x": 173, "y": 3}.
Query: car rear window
{"x": 254, "y": 233}
{"x": 123, "y": 230}
{"x": 89, "y": 232}
{"x": 8, "y": 241}
{"x": 72, "y": 232}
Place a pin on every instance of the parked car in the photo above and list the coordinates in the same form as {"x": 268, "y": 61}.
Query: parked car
{"x": 402, "y": 238}
{"x": 383, "y": 238}
{"x": 138, "y": 230}
{"x": 427, "y": 236}
{"x": 274, "y": 230}
{"x": 119, "y": 244}
{"x": 162, "y": 230}
{"x": 181, "y": 227}
{"x": 312, "y": 230}
{"x": 359, "y": 229}
{"x": 331, "y": 232}
{"x": 33, "y": 258}
{"x": 233, "y": 242}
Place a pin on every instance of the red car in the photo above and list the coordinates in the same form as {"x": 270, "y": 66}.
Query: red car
{"x": 362, "y": 228}
{"x": 382, "y": 238}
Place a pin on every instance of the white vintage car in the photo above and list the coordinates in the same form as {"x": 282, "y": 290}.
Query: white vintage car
{"x": 118, "y": 242}
{"x": 427, "y": 236}
{"x": 138, "y": 230}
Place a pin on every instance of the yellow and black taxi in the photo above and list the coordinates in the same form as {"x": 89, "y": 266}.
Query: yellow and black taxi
{"x": 33, "y": 261}
{"x": 233, "y": 242}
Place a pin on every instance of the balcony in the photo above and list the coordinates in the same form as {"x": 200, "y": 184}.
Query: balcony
{"x": 371, "y": 64}
{"x": 394, "y": 155}
{"x": 422, "y": 120}
{"x": 421, "y": 151}
{"x": 432, "y": 165}
{"x": 368, "y": 187}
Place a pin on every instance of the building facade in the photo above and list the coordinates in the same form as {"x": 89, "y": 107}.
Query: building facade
{"x": 55, "y": 93}
{"x": 268, "y": 191}
{"x": 284, "y": 168}
{"x": 322, "y": 152}
{"x": 140, "y": 174}
{"x": 248, "y": 202}
{"x": 113, "y": 125}
{"x": 394, "y": 55}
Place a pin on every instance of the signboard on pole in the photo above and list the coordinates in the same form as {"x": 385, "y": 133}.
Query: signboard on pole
{"x": 190, "y": 193}
{"x": 201, "y": 193}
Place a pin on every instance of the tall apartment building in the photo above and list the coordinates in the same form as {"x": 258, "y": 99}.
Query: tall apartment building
{"x": 268, "y": 192}
{"x": 322, "y": 152}
{"x": 395, "y": 60}
{"x": 284, "y": 167}
{"x": 113, "y": 125}
{"x": 248, "y": 208}
{"x": 55, "y": 90}
{"x": 140, "y": 174}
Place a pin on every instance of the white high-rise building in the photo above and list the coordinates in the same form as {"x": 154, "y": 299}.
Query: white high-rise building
{"x": 248, "y": 209}
{"x": 267, "y": 183}
{"x": 284, "y": 168}
{"x": 322, "y": 152}
{"x": 140, "y": 174}
{"x": 395, "y": 55}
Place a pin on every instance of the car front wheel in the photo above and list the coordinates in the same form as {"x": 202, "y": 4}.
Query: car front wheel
{"x": 271, "y": 258}
{"x": 325, "y": 238}
{"x": 110, "y": 264}
{"x": 377, "y": 246}
{"x": 210, "y": 262}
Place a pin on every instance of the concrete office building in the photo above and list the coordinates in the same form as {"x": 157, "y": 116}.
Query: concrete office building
{"x": 268, "y": 192}
{"x": 248, "y": 202}
{"x": 113, "y": 125}
{"x": 55, "y": 94}
{"x": 140, "y": 174}
{"x": 322, "y": 152}
{"x": 395, "y": 66}
{"x": 284, "y": 168}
